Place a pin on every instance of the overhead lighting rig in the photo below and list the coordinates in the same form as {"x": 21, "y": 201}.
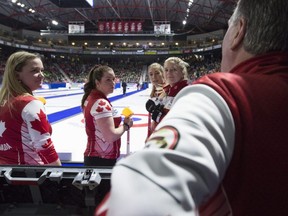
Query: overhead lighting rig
{"x": 20, "y": 6}
{"x": 184, "y": 22}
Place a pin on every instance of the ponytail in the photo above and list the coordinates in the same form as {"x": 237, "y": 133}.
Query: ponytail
{"x": 87, "y": 90}
{"x": 96, "y": 73}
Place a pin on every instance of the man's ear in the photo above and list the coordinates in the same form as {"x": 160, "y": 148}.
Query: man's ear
{"x": 240, "y": 31}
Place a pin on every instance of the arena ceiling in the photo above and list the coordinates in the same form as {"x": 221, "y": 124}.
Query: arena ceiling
{"x": 203, "y": 15}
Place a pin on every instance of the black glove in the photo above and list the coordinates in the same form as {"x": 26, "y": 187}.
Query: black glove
{"x": 150, "y": 106}
{"x": 157, "y": 113}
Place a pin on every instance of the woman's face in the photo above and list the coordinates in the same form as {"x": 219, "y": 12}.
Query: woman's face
{"x": 32, "y": 74}
{"x": 155, "y": 76}
{"x": 107, "y": 83}
{"x": 173, "y": 73}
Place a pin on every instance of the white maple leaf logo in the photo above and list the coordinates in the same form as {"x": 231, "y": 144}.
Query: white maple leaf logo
{"x": 2, "y": 128}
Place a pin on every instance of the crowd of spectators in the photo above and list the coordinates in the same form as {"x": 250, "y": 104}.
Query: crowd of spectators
{"x": 202, "y": 67}
{"x": 75, "y": 70}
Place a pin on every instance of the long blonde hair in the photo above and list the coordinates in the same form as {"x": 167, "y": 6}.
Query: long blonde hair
{"x": 182, "y": 64}
{"x": 11, "y": 86}
{"x": 158, "y": 67}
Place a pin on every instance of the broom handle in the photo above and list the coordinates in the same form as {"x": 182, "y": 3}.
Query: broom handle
{"x": 128, "y": 142}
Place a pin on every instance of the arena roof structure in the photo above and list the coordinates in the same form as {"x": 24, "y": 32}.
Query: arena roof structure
{"x": 201, "y": 16}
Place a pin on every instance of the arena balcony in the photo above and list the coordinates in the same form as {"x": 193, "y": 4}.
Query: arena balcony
{"x": 104, "y": 50}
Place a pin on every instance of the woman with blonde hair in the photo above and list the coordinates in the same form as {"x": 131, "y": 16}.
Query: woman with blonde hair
{"x": 156, "y": 76}
{"x": 25, "y": 133}
{"x": 176, "y": 77}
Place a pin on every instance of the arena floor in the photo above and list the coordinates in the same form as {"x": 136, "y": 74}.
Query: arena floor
{"x": 66, "y": 118}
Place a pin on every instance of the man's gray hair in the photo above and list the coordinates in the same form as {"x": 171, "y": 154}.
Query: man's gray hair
{"x": 267, "y": 24}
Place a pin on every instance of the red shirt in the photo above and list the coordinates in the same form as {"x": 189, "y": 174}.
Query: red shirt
{"x": 98, "y": 106}
{"x": 25, "y": 133}
{"x": 171, "y": 92}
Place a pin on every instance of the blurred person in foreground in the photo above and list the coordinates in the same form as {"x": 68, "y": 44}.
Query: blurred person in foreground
{"x": 176, "y": 78}
{"x": 156, "y": 77}
{"x": 25, "y": 133}
{"x": 222, "y": 148}
{"x": 102, "y": 121}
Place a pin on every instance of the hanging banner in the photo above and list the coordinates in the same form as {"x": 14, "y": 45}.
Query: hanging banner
{"x": 162, "y": 27}
{"x": 120, "y": 27}
{"x": 75, "y": 27}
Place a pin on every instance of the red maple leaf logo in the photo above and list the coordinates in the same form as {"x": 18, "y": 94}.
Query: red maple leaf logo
{"x": 108, "y": 107}
{"x": 41, "y": 125}
{"x": 102, "y": 102}
{"x": 47, "y": 144}
{"x": 99, "y": 109}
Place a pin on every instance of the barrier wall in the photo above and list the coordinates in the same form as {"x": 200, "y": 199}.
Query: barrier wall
{"x": 80, "y": 85}
{"x": 57, "y": 85}
{"x": 46, "y": 191}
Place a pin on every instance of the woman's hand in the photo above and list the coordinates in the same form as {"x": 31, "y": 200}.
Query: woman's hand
{"x": 128, "y": 121}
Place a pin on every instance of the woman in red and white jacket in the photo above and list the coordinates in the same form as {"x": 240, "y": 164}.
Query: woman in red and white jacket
{"x": 156, "y": 77}
{"x": 25, "y": 133}
{"x": 176, "y": 77}
{"x": 102, "y": 121}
